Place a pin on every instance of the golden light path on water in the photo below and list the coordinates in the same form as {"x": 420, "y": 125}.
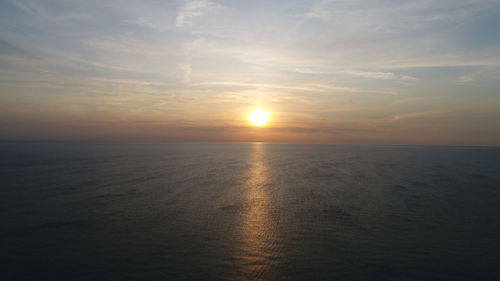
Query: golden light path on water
{"x": 257, "y": 249}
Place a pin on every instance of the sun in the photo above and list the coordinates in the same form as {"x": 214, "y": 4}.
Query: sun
{"x": 258, "y": 117}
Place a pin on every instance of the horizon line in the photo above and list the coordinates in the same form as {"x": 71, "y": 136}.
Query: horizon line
{"x": 236, "y": 142}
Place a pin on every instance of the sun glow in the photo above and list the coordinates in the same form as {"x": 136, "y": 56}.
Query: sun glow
{"x": 258, "y": 117}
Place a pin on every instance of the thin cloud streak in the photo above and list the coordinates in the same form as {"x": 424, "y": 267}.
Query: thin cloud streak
{"x": 191, "y": 9}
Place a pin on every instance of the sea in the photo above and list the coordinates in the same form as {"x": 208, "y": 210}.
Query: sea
{"x": 248, "y": 211}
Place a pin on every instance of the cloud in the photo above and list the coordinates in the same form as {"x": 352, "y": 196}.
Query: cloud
{"x": 307, "y": 87}
{"x": 379, "y": 75}
{"x": 71, "y": 17}
{"x": 483, "y": 74}
{"x": 9, "y": 49}
{"x": 372, "y": 75}
{"x": 152, "y": 24}
{"x": 39, "y": 9}
{"x": 389, "y": 34}
{"x": 408, "y": 78}
{"x": 190, "y": 10}
{"x": 186, "y": 71}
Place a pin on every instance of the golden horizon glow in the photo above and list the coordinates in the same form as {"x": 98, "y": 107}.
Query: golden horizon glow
{"x": 258, "y": 117}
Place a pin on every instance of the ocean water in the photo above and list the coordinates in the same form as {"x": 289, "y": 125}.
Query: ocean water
{"x": 116, "y": 211}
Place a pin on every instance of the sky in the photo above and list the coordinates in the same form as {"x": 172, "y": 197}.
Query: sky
{"x": 328, "y": 71}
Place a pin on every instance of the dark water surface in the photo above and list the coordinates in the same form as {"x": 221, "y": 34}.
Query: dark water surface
{"x": 109, "y": 211}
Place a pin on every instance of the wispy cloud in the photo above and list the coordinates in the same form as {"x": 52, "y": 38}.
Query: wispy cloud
{"x": 308, "y": 87}
{"x": 9, "y": 49}
{"x": 482, "y": 74}
{"x": 41, "y": 10}
{"x": 191, "y": 9}
{"x": 379, "y": 75}
{"x": 187, "y": 71}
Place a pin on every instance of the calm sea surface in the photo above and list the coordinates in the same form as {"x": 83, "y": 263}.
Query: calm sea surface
{"x": 111, "y": 211}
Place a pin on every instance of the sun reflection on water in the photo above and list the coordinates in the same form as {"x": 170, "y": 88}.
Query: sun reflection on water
{"x": 256, "y": 253}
